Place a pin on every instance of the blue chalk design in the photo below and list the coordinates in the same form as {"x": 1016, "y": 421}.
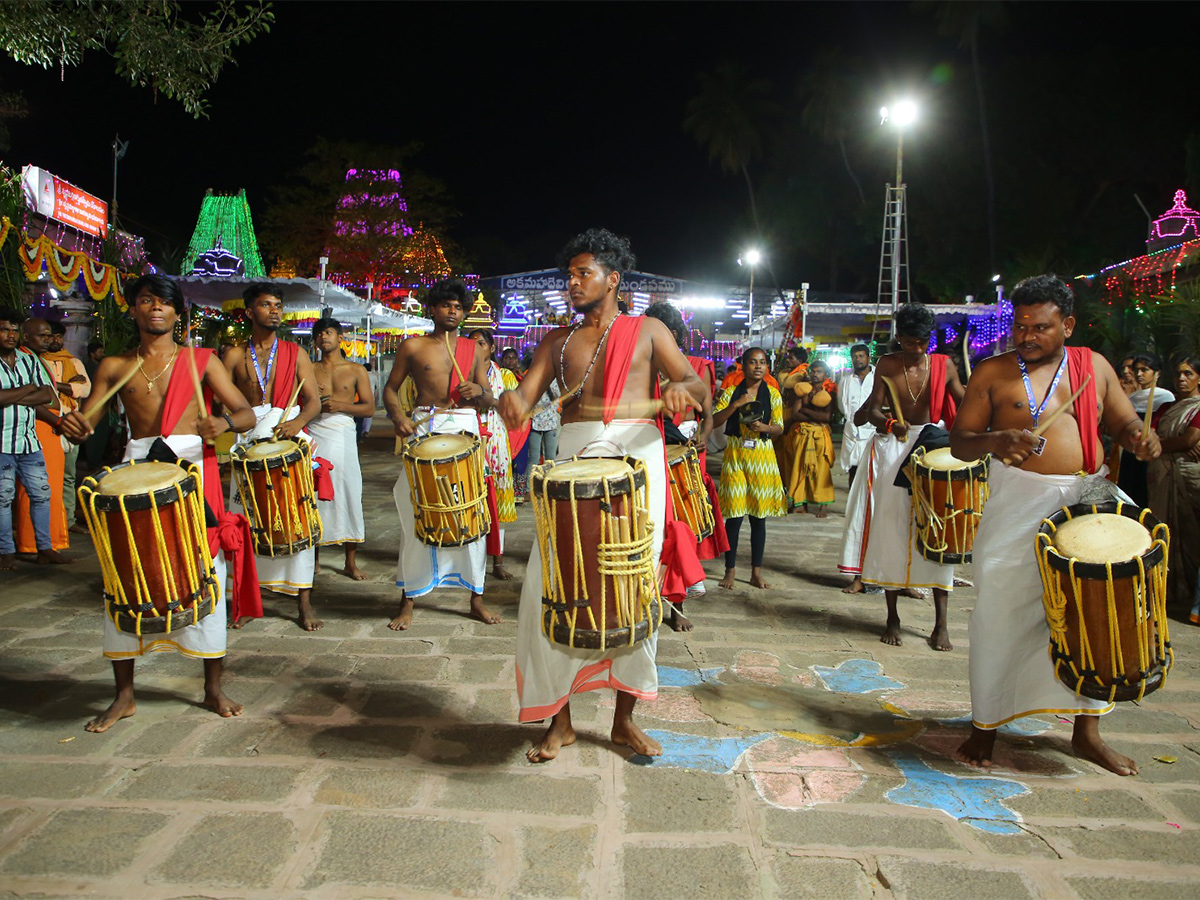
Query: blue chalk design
{"x": 975, "y": 801}
{"x": 669, "y": 676}
{"x": 692, "y": 751}
{"x": 857, "y": 676}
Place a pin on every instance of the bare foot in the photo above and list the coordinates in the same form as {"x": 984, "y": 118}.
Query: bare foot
{"x": 404, "y": 619}
{"x": 910, "y": 592}
{"x": 8, "y": 562}
{"x": 353, "y": 572}
{"x": 52, "y": 558}
{"x": 501, "y": 573}
{"x": 822, "y": 512}
{"x": 727, "y": 581}
{"x": 481, "y": 612}
{"x": 222, "y": 705}
{"x": 940, "y": 639}
{"x": 891, "y": 634}
{"x": 240, "y": 621}
{"x": 678, "y": 621}
{"x": 854, "y": 587}
{"x": 959, "y": 581}
{"x": 1087, "y": 744}
{"x": 556, "y": 737}
{"x": 977, "y": 749}
{"x": 629, "y": 735}
{"x": 308, "y": 619}
{"x": 756, "y": 580}
{"x": 121, "y": 708}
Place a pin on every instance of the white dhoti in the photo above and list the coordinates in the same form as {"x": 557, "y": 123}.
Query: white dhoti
{"x": 548, "y": 673}
{"x": 858, "y": 514}
{"x": 423, "y": 567}
{"x": 1009, "y": 659}
{"x": 335, "y": 439}
{"x": 892, "y": 559}
{"x": 281, "y": 574}
{"x": 205, "y": 639}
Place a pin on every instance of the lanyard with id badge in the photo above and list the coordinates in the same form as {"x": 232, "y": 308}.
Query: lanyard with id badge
{"x": 1034, "y": 410}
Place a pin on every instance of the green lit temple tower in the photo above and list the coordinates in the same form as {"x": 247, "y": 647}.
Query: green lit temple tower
{"x": 224, "y": 224}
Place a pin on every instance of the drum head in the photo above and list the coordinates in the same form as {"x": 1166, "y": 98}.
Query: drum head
{"x": 588, "y": 470}
{"x": 270, "y": 449}
{"x": 441, "y": 446}
{"x": 140, "y": 478}
{"x": 944, "y": 461}
{"x": 676, "y": 452}
{"x": 1101, "y": 538}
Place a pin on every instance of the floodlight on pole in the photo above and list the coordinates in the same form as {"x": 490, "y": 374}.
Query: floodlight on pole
{"x": 900, "y": 115}
{"x": 751, "y": 258}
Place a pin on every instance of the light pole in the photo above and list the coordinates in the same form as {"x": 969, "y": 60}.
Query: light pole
{"x": 750, "y": 258}
{"x": 901, "y": 116}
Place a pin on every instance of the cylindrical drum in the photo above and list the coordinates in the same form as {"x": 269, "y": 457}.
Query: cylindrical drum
{"x": 147, "y": 523}
{"x": 1104, "y": 577}
{"x": 689, "y": 497}
{"x": 446, "y": 476}
{"x": 275, "y": 485}
{"x": 948, "y": 496}
{"x": 596, "y": 539}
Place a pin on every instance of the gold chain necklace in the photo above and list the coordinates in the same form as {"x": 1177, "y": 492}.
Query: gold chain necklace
{"x": 150, "y": 381}
{"x": 924, "y": 378}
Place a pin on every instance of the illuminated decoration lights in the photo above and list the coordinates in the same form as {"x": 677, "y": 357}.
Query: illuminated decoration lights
{"x": 1176, "y": 223}
{"x": 515, "y": 317}
{"x": 480, "y": 316}
{"x": 219, "y": 263}
{"x": 131, "y": 249}
{"x": 225, "y": 217}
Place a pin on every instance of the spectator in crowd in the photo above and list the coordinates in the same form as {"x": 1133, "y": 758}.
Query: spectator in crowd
{"x": 91, "y": 451}
{"x": 808, "y": 445}
{"x": 854, "y": 390}
{"x": 1131, "y": 471}
{"x": 74, "y": 384}
{"x": 25, "y": 393}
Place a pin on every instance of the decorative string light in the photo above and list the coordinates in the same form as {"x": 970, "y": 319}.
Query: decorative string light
{"x": 225, "y": 218}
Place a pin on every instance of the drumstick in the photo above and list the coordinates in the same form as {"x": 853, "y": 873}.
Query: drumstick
{"x": 1049, "y": 420}
{"x": 95, "y": 408}
{"x": 287, "y": 410}
{"x": 454, "y": 359}
{"x": 895, "y": 395}
{"x": 200, "y": 409}
{"x": 967, "y": 351}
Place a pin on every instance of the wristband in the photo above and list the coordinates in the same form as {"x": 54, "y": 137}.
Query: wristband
{"x": 57, "y": 426}
{"x": 225, "y": 416}
{"x": 888, "y": 425}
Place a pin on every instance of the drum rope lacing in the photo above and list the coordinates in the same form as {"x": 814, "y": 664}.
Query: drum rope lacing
{"x": 307, "y": 529}
{"x": 937, "y": 525}
{"x": 189, "y": 522}
{"x": 623, "y": 555}
{"x": 1149, "y": 591}
{"x": 442, "y": 520}
{"x": 698, "y": 515}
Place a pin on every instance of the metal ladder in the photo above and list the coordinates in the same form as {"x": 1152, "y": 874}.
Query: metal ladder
{"x": 894, "y": 286}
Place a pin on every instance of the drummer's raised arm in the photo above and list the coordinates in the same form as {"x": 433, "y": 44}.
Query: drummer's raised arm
{"x": 391, "y": 390}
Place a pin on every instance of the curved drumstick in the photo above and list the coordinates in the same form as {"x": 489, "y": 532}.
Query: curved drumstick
{"x": 966, "y": 344}
{"x": 1049, "y": 420}
{"x": 94, "y": 408}
{"x": 287, "y": 410}
{"x": 200, "y": 408}
{"x": 895, "y": 395}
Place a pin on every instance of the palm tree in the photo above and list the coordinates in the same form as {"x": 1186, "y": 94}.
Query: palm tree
{"x": 727, "y": 117}
{"x": 828, "y": 92}
{"x": 964, "y": 19}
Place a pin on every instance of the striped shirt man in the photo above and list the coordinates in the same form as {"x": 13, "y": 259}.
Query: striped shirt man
{"x": 17, "y": 433}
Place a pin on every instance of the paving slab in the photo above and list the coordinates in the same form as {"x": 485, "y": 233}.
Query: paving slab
{"x": 242, "y": 850}
{"x": 556, "y": 862}
{"x": 943, "y": 881}
{"x": 653, "y": 872}
{"x": 84, "y": 842}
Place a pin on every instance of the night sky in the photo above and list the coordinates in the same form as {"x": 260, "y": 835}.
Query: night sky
{"x": 544, "y": 119}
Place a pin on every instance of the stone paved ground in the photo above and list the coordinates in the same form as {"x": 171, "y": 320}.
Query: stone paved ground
{"x": 804, "y": 758}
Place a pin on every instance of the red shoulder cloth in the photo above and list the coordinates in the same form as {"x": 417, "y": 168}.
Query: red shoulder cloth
{"x": 285, "y": 373}
{"x": 941, "y": 404}
{"x": 464, "y": 356}
{"x": 232, "y": 533}
{"x": 1079, "y": 367}
{"x": 618, "y": 355}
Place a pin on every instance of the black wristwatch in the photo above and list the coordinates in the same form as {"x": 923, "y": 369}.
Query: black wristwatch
{"x": 225, "y": 416}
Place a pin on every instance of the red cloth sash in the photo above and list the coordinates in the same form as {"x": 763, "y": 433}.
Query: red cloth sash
{"x": 232, "y": 533}
{"x": 322, "y": 480}
{"x": 941, "y": 404}
{"x": 464, "y": 356}
{"x": 718, "y": 542}
{"x": 678, "y": 554}
{"x": 285, "y": 373}
{"x": 1079, "y": 367}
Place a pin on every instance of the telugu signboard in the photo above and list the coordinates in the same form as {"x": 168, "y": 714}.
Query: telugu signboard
{"x": 54, "y": 198}
{"x": 554, "y": 280}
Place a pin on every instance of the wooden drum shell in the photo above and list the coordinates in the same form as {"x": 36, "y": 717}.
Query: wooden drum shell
{"x": 1111, "y": 669}
{"x": 278, "y": 488}
{"x": 956, "y": 497}
{"x": 463, "y": 476}
{"x": 689, "y": 497}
